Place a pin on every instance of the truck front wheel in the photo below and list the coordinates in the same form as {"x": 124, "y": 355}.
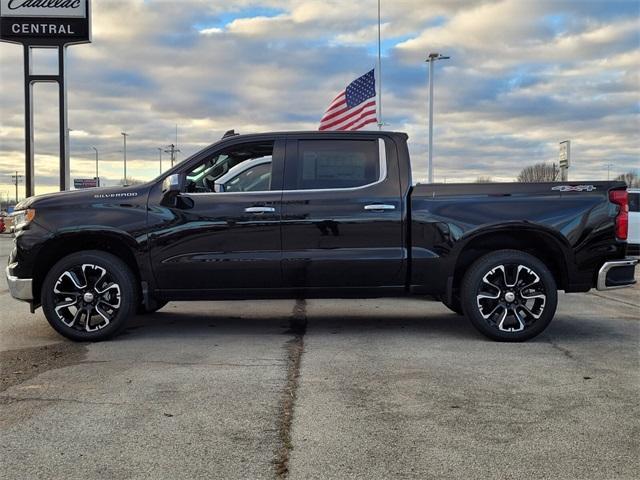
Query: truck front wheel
{"x": 89, "y": 295}
{"x": 509, "y": 295}
{"x": 455, "y": 306}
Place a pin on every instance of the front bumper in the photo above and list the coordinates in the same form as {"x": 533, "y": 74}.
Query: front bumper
{"x": 19, "y": 288}
{"x": 617, "y": 274}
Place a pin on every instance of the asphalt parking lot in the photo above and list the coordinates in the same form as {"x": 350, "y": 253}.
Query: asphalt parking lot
{"x": 394, "y": 388}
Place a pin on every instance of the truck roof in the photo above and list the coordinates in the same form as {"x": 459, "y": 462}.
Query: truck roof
{"x": 316, "y": 133}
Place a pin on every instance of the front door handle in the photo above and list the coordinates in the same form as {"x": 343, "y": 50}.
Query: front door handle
{"x": 259, "y": 209}
{"x": 379, "y": 206}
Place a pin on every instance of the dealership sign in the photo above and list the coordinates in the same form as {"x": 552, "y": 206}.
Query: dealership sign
{"x": 40, "y": 25}
{"x": 85, "y": 182}
{"x": 45, "y": 22}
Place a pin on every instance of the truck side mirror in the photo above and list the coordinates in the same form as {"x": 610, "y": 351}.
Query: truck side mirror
{"x": 172, "y": 184}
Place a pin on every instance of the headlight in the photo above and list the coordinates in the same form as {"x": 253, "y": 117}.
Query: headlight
{"x": 22, "y": 217}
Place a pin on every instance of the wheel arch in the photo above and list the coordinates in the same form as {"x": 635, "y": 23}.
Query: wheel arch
{"x": 59, "y": 247}
{"x": 546, "y": 245}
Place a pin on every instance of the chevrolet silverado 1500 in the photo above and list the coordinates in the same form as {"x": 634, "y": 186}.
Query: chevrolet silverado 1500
{"x": 317, "y": 214}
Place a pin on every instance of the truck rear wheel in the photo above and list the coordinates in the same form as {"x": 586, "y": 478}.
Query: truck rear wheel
{"x": 89, "y": 295}
{"x": 509, "y": 295}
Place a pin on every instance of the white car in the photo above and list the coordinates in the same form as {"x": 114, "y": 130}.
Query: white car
{"x": 249, "y": 176}
{"x": 633, "y": 238}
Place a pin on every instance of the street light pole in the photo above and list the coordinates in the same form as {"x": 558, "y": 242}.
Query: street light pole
{"x": 125, "y": 135}
{"x": 97, "y": 176}
{"x": 430, "y": 59}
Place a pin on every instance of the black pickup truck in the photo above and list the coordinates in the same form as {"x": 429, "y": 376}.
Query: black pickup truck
{"x": 316, "y": 214}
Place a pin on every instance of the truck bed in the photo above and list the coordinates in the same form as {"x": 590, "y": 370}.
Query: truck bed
{"x": 574, "y": 219}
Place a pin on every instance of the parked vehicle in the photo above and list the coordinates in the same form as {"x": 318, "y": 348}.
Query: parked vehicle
{"x": 2, "y": 227}
{"x": 247, "y": 176}
{"x": 338, "y": 217}
{"x": 634, "y": 222}
{"x": 8, "y": 223}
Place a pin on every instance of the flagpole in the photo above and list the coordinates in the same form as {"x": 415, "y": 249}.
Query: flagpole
{"x": 379, "y": 74}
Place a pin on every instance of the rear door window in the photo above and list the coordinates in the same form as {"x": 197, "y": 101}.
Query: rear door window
{"x": 334, "y": 164}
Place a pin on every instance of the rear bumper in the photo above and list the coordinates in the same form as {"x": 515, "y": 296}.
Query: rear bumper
{"x": 617, "y": 274}
{"x": 19, "y": 288}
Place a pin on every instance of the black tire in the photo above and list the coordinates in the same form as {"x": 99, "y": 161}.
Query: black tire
{"x": 154, "y": 306}
{"x": 509, "y": 296}
{"x": 95, "y": 294}
{"x": 455, "y": 306}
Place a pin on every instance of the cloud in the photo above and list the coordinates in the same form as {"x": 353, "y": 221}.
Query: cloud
{"x": 522, "y": 77}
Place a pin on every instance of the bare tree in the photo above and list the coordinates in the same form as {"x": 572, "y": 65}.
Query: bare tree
{"x": 631, "y": 178}
{"x": 482, "y": 179}
{"x": 540, "y": 172}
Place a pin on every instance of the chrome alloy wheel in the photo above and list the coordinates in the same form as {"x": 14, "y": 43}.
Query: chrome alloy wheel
{"x": 86, "y": 297}
{"x": 511, "y": 297}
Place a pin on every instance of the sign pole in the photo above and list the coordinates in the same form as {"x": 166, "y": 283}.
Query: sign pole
{"x": 565, "y": 159}
{"x": 45, "y": 25}
{"x": 28, "y": 125}
{"x": 65, "y": 175}
{"x": 430, "y": 175}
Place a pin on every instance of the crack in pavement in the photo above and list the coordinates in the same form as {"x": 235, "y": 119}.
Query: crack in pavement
{"x": 191, "y": 364}
{"x": 565, "y": 351}
{"x": 295, "y": 349}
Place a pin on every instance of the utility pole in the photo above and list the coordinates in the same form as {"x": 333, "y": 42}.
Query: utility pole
{"x": 609, "y": 165}
{"x": 16, "y": 179}
{"x": 125, "y": 135}
{"x": 172, "y": 150}
{"x": 430, "y": 60}
{"x": 160, "y": 153}
{"x": 97, "y": 177}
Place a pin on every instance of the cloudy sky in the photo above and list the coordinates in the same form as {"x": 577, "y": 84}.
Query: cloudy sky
{"x": 523, "y": 76}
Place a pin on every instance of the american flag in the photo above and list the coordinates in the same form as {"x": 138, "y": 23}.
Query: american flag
{"x": 354, "y": 107}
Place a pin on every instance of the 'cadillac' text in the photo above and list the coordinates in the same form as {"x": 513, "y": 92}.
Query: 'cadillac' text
{"x": 15, "y": 4}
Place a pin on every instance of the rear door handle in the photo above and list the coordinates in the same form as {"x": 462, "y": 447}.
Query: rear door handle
{"x": 259, "y": 209}
{"x": 379, "y": 206}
